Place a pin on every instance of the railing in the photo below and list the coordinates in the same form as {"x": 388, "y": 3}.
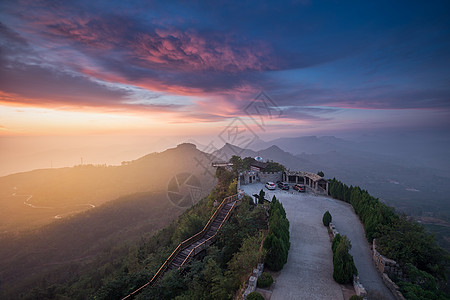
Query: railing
{"x": 185, "y": 244}
{"x": 197, "y": 249}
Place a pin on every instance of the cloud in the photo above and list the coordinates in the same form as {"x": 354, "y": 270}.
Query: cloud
{"x": 189, "y": 51}
{"x": 97, "y": 54}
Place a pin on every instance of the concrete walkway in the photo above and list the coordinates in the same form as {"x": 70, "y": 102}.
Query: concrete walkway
{"x": 308, "y": 273}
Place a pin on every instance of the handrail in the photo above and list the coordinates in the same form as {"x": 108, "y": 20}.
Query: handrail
{"x": 210, "y": 238}
{"x": 184, "y": 245}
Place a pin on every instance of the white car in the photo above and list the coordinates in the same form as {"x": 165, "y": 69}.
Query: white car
{"x": 270, "y": 185}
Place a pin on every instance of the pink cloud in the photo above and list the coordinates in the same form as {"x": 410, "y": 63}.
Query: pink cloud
{"x": 189, "y": 51}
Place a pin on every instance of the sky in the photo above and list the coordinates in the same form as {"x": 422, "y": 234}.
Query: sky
{"x": 192, "y": 68}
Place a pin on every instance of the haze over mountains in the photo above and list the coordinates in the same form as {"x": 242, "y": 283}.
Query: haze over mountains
{"x": 59, "y": 193}
{"x": 412, "y": 178}
{"x": 131, "y": 201}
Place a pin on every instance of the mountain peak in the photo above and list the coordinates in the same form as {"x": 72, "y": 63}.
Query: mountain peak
{"x": 274, "y": 148}
{"x": 187, "y": 146}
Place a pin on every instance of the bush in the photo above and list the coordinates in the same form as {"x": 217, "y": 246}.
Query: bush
{"x": 326, "y": 218}
{"x": 255, "y": 296}
{"x": 355, "y": 297}
{"x": 265, "y": 280}
{"x": 343, "y": 265}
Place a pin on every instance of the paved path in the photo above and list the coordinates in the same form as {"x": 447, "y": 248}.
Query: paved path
{"x": 308, "y": 272}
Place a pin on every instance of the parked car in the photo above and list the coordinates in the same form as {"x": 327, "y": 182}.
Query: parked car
{"x": 283, "y": 185}
{"x": 270, "y": 185}
{"x": 300, "y": 188}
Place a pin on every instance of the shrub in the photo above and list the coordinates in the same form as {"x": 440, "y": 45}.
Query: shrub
{"x": 276, "y": 253}
{"x": 355, "y": 297}
{"x": 343, "y": 265}
{"x": 265, "y": 280}
{"x": 337, "y": 239}
{"x": 277, "y": 241}
{"x": 326, "y": 218}
{"x": 255, "y": 296}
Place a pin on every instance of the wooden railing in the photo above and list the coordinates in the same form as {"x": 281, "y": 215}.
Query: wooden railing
{"x": 187, "y": 243}
{"x": 197, "y": 249}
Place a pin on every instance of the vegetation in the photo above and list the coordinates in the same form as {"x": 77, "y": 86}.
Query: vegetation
{"x": 320, "y": 173}
{"x": 402, "y": 240}
{"x": 255, "y": 296}
{"x": 343, "y": 265}
{"x": 356, "y": 297}
{"x": 277, "y": 241}
{"x": 274, "y": 167}
{"x": 326, "y": 219}
{"x": 261, "y": 198}
{"x": 226, "y": 265}
{"x": 265, "y": 280}
{"x": 240, "y": 165}
{"x": 124, "y": 264}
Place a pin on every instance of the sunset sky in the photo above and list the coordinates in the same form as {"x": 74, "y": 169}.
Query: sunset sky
{"x": 190, "y": 67}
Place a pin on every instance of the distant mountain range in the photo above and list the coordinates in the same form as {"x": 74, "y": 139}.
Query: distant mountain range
{"x": 410, "y": 188}
{"x": 306, "y": 144}
{"x": 39, "y": 197}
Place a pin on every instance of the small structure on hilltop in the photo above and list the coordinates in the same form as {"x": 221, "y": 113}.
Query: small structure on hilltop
{"x": 258, "y": 173}
{"x": 313, "y": 181}
{"x": 223, "y": 164}
{"x": 258, "y": 166}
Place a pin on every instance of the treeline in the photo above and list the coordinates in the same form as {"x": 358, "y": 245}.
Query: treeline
{"x": 277, "y": 241}
{"x": 402, "y": 240}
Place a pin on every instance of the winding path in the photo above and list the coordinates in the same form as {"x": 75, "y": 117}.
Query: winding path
{"x": 308, "y": 272}
{"x": 59, "y": 216}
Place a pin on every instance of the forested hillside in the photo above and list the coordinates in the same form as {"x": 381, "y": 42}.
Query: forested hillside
{"x": 129, "y": 258}
{"x": 87, "y": 243}
{"x": 59, "y": 193}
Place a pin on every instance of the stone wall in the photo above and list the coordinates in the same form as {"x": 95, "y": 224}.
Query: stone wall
{"x": 253, "y": 280}
{"x": 393, "y": 287}
{"x": 359, "y": 288}
{"x": 333, "y": 229}
{"x": 387, "y": 267}
{"x": 270, "y": 176}
{"x": 248, "y": 177}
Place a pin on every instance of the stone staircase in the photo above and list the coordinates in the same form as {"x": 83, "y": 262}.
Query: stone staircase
{"x": 195, "y": 244}
{"x": 183, "y": 256}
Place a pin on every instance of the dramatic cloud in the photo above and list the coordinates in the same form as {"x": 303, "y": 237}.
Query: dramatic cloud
{"x": 205, "y": 61}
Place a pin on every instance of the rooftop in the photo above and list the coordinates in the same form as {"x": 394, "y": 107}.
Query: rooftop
{"x": 313, "y": 176}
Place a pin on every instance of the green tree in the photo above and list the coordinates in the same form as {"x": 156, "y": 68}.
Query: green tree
{"x": 320, "y": 173}
{"x": 274, "y": 167}
{"x": 247, "y": 257}
{"x": 265, "y": 280}
{"x": 255, "y": 296}
{"x": 343, "y": 264}
{"x": 326, "y": 219}
{"x": 189, "y": 225}
{"x": 276, "y": 253}
{"x": 262, "y": 194}
{"x": 238, "y": 164}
